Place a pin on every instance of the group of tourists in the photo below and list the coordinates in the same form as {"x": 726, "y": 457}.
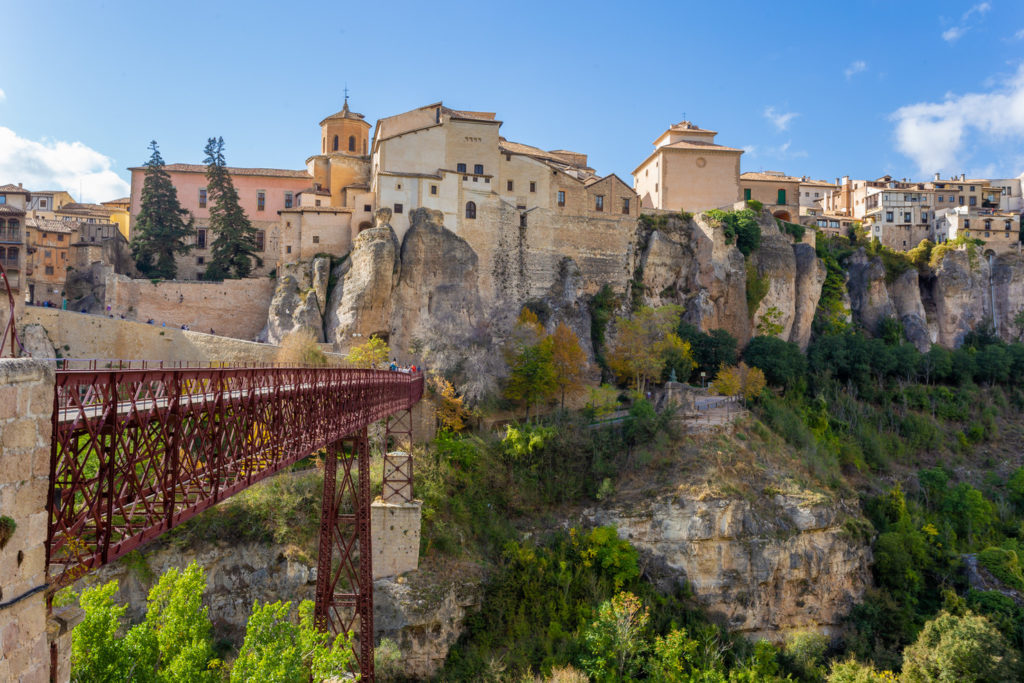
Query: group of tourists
{"x": 395, "y": 367}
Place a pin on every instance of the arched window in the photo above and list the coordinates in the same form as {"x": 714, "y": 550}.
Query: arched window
{"x": 335, "y": 143}
{"x": 351, "y": 143}
{"x": 470, "y": 209}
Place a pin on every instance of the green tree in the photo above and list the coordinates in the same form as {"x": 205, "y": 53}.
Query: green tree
{"x": 782, "y": 362}
{"x": 614, "y": 642}
{"x": 644, "y": 344}
{"x": 234, "y": 245}
{"x": 770, "y": 324}
{"x": 162, "y": 227}
{"x": 960, "y": 648}
{"x": 711, "y": 350}
{"x": 533, "y": 376}
{"x": 277, "y": 650}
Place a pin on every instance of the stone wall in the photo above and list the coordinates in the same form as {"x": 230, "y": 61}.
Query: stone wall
{"x": 80, "y": 335}
{"x": 395, "y": 537}
{"x": 26, "y": 406}
{"x": 233, "y": 308}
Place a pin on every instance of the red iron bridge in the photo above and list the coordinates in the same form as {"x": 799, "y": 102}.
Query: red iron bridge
{"x": 139, "y": 449}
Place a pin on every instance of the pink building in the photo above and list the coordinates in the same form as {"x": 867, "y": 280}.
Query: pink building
{"x": 263, "y": 193}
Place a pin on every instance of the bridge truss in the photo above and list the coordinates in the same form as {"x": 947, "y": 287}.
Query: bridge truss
{"x": 137, "y": 452}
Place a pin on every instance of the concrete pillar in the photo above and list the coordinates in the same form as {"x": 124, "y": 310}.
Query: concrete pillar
{"x": 395, "y": 521}
{"x": 26, "y": 406}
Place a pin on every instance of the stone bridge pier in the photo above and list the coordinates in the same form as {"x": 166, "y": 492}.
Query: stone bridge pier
{"x": 26, "y": 407}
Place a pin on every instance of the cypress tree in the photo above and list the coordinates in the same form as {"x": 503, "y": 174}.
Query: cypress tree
{"x": 234, "y": 247}
{"x": 162, "y": 226}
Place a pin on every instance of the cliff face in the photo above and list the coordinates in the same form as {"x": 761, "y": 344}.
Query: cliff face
{"x": 298, "y": 301}
{"x": 765, "y": 570}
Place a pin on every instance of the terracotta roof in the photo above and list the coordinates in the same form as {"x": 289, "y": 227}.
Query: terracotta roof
{"x": 50, "y": 225}
{"x": 557, "y": 156}
{"x": 691, "y": 127}
{"x": 122, "y": 200}
{"x": 470, "y": 115}
{"x": 357, "y": 186}
{"x": 233, "y": 170}
{"x": 11, "y": 188}
{"x": 8, "y": 210}
{"x": 345, "y": 113}
{"x": 779, "y": 178}
{"x": 817, "y": 183}
{"x": 315, "y": 190}
{"x": 404, "y": 174}
{"x": 697, "y": 144}
{"x": 87, "y": 209}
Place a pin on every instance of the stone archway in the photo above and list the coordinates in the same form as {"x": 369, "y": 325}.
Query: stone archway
{"x": 783, "y": 216}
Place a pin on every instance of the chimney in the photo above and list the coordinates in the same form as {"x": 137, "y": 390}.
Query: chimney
{"x": 937, "y": 177}
{"x": 19, "y": 186}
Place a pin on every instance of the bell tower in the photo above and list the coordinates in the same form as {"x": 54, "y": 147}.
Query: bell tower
{"x": 345, "y": 133}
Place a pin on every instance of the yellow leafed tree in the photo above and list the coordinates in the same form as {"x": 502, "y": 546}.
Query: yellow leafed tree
{"x": 451, "y": 412}
{"x": 570, "y": 361}
{"x": 644, "y": 343}
{"x": 373, "y": 353}
{"x": 739, "y": 380}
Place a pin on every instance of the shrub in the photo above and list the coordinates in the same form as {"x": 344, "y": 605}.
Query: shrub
{"x": 960, "y": 648}
{"x": 300, "y": 348}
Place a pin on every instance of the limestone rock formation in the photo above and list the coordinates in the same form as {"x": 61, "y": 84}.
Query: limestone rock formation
{"x": 424, "y": 613}
{"x": 763, "y": 568}
{"x": 36, "y": 342}
{"x": 810, "y": 276}
{"x": 776, "y": 261}
{"x": 869, "y": 296}
{"x": 1007, "y": 294}
{"x": 961, "y": 294}
{"x": 361, "y": 302}
{"x": 297, "y": 302}
{"x": 565, "y": 303}
{"x": 906, "y": 298}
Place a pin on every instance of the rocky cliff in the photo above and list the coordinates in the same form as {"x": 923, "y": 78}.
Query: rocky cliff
{"x": 764, "y": 568}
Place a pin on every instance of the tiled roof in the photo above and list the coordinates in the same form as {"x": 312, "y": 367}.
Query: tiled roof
{"x": 818, "y": 183}
{"x": 49, "y": 225}
{"x": 558, "y": 156}
{"x": 233, "y": 170}
{"x": 122, "y": 200}
{"x": 471, "y": 115}
{"x": 345, "y": 113}
{"x": 404, "y": 174}
{"x": 691, "y": 127}
{"x": 697, "y": 144}
{"x": 753, "y": 175}
{"x": 316, "y": 190}
{"x": 11, "y": 188}
{"x": 84, "y": 209}
{"x": 8, "y": 210}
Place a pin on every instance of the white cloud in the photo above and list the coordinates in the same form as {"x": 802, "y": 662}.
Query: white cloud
{"x": 933, "y": 133}
{"x": 58, "y": 165}
{"x": 951, "y": 35}
{"x": 979, "y": 9}
{"x": 855, "y": 68}
{"x": 778, "y": 119}
{"x": 750, "y": 150}
{"x": 3, "y": 95}
{"x": 1019, "y": 35}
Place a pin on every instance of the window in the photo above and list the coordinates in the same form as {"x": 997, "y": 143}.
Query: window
{"x": 478, "y": 169}
{"x": 200, "y": 260}
{"x": 974, "y": 201}
{"x": 967, "y": 223}
{"x": 461, "y": 168}
{"x": 988, "y": 226}
{"x": 433, "y": 189}
{"x": 941, "y": 198}
{"x": 42, "y": 203}
{"x": 202, "y": 198}
{"x": 522, "y": 220}
{"x": 625, "y": 205}
{"x": 351, "y": 143}
{"x": 960, "y": 200}
{"x": 561, "y": 197}
{"x": 781, "y": 197}
{"x": 398, "y": 208}
{"x": 60, "y": 237}
{"x": 335, "y": 144}
{"x": 907, "y": 217}
{"x": 49, "y": 270}
{"x": 261, "y": 201}
{"x": 599, "y": 202}
{"x": 316, "y": 239}
{"x": 1009, "y": 224}
{"x": 509, "y": 185}
{"x": 46, "y": 253}
{"x": 261, "y": 240}
{"x": 201, "y": 238}
{"x": 972, "y": 188}
{"x": 317, "y": 203}
{"x": 533, "y": 186}
{"x": 288, "y": 249}
{"x": 888, "y": 216}
{"x": 289, "y": 199}
{"x": 366, "y": 207}
{"x": 470, "y": 210}
{"x": 951, "y": 200}
{"x": 986, "y": 234}
{"x": 746, "y": 194}
{"x": 3, "y": 199}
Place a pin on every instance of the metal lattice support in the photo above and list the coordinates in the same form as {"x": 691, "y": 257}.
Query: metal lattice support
{"x": 397, "y": 486}
{"x": 344, "y": 580}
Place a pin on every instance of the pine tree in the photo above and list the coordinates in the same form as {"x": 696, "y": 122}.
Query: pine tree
{"x": 234, "y": 244}
{"x": 162, "y": 226}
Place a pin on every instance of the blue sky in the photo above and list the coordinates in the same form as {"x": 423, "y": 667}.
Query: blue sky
{"x": 822, "y": 89}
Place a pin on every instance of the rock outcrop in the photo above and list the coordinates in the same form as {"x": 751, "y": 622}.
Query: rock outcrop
{"x": 776, "y": 261}
{"x": 869, "y": 296}
{"x": 763, "y": 569}
{"x": 810, "y": 276}
{"x": 298, "y": 301}
{"x": 905, "y": 293}
{"x": 361, "y": 302}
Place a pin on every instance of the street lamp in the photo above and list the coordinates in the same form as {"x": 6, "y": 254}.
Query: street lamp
{"x": 703, "y": 375}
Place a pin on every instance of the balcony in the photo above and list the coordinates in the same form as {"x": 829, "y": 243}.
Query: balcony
{"x": 10, "y": 236}
{"x": 9, "y": 263}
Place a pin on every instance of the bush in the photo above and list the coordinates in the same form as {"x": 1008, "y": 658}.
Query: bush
{"x": 960, "y": 648}
{"x": 782, "y": 362}
{"x": 300, "y": 348}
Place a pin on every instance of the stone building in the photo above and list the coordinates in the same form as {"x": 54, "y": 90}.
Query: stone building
{"x": 812, "y": 192}
{"x": 48, "y": 245}
{"x": 45, "y": 202}
{"x": 688, "y": 171}
{"x": 999, "y": 230}
{"x": 499, "y": 195}
{"x": 13, "y": 203}
{"x": 899, "y": 214}
{"x": 779, "y": 193}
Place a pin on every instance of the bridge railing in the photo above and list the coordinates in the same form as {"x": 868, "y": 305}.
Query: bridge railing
{"x": 136, "y": 452}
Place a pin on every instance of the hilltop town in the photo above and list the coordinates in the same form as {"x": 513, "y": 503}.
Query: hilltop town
{"x": 488, "y": 191}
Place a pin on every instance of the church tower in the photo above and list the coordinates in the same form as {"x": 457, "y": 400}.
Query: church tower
{"x": 342, "y": 167}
